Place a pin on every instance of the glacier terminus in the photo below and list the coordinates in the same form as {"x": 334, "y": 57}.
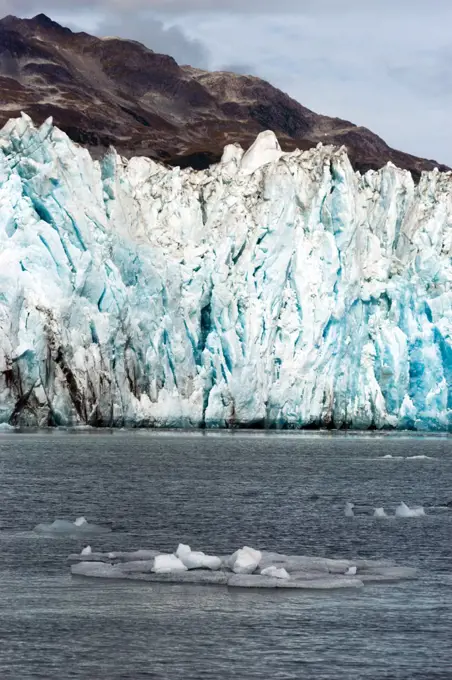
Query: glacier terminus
{"x": 273, "y": 289}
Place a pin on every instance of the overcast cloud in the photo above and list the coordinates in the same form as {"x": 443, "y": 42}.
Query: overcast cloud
{"x": 386, "y": 65}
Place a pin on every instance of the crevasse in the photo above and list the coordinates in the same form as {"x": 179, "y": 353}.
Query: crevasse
{"x": 273, "y": 289}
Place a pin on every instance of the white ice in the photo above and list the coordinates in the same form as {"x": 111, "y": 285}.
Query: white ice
{"x": 349, "y": 510}
{"x": 65, "y": 527}
{"x": 168, "y": 563}
{"x": 86, "y": 551}
{"x": 380, "y": 512}
{"x": 275, "y": 572}
{"x": 245, "y": 561}
{"x": 421, "y": 457}
{"x": 403, "y": 510}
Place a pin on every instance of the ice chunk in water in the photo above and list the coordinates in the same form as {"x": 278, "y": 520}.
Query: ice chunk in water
{"x": 245, "y": 561}
{"x": 275, "y": 572}
{"x": 64, "y": 527}
{"x": 349, "y": 510}
{"x": 86, "y": 551}
{"x": 403, "y": 510}
{"x": 421, "y": 457}
{"x": 284, "y": 571}
{"x": 168, "y": 563}
{"x": 380, "y": 512}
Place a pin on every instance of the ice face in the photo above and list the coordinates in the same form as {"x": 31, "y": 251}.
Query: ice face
{"x": 271, "y": 289}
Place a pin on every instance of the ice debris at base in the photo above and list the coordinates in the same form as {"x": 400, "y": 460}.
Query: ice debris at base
{"x": 4, "y": 427}
{"x": 403, "y": 510}
{"x": 380, "y": 512}
{"x": 63, "y": 527}
{"x": 349, "y": 510}
{"x": 279, "y": 289}
{"x": 246, "y": 568}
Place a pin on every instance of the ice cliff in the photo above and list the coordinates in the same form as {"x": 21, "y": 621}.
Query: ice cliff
{"x": 273, "y": 289}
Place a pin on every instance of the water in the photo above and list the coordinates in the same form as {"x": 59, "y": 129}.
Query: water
{"x": 217, "y": 492}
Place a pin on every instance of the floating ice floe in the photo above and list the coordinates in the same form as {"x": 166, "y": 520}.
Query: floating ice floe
{"x": 380, "y": 512}
{"x": 403, "y": 510}
{"x": 349, "y": 510}
{"x": 63, "y": 527}
{"x": 245, "y": 568}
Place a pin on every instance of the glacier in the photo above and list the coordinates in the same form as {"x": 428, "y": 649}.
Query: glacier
{"x": 273, "y": 289}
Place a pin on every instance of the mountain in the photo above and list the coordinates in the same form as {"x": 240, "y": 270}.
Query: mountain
{"x": 279, "y": 290}
{"x": 109, "y": 91}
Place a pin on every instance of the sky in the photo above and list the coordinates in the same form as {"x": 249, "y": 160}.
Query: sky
{"x": 384, "y": 64}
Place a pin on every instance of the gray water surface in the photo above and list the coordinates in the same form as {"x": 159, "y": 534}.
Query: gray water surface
{"x": 218, "y": 492}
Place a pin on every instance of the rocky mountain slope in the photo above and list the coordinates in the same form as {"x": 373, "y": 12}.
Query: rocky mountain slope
{"x": 117, "y": 92}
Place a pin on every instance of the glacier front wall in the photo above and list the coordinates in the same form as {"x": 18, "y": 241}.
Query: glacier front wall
{"x": 279, "y": 290}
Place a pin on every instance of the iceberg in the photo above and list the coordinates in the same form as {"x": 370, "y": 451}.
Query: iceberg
{"x": 403, "y": 510}
{"x": 380, "y": 512}
{"x": 273, "y": 289}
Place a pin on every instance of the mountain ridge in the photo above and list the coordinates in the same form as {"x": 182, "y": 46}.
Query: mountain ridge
{"x": 112, "y": 91}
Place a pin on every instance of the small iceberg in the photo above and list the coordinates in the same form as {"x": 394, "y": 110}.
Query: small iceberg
{"x": 380, "y": 512}
{"x": 245, "y": 568}
{"x": 349, "y": 510}
{"x": 63, "y": 527}
{"x": 422, "y": 457}
{"x": 403, "y": 510}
